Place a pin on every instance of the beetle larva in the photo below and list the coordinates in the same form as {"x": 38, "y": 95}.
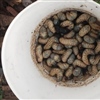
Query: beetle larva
{"x": 82, "y": 18}
{"x": 63, "y": 65}
{"x": 55, "y": 20}
{"x": 84, "y": 30}
{"x": 43, "y": 41}
{"x": 94, "y": 70}
{"x": 69, "y": 35}
{"x": 94, "y": 31}
{"x": 79, "y": 57}
{"x": 39, "y": 53}
{"x": 50, "y": 34}
{"x": 79, "y": 39}
{"x": 68, "y": 24}
{"x": 93, "y": 35}
{"x": 85, "y": 54}
{"x": 58, "y": 72}
{"x": 46, "y": 53}
{"x": 71, "y": 59}
{"x": 94, "y": 60}
{"x": 70, "y": 42}
{"x": 43, "y": 32}
{"x": 89, "y": 68}
{"x": 95, "y": 26}
{"x": 78, "y": 27}
{"x": 50, "y": 62}
{"x": 75, "y": 50}
{"x": 56, "y": 57}
{"x": 49, "y": 43}
{"x": 87, "y": 45}
{"x": 68, "y": 46}
{"x": 57, "y": 46}
{"x": 92, "y": 20}
{"x": 77, "y": 71}
{"x": 48, "y": 68}
{"x": 59, "y": 52}
{"x": 51, "y": 26}
{"x": 66, "y": 55}
{"x": 89, "y": 39}
{"x": 97, "y": 49}
{"x": 69, "y": 72}
{"x": 71, "y": 15}
{"x": 61, "y": 16}
{"x": 79, "y": 63}
{"x": 98, "y": 66}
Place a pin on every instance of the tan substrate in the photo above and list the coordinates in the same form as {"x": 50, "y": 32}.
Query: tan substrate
{"x": 43, "y": 70}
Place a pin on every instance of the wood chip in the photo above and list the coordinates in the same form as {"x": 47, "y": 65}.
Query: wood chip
{"x": 1, "y": 40}
{"x": 6, "y": 20}
{"x": 12, "y": 11}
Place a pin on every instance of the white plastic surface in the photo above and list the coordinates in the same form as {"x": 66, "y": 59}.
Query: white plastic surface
{"x": 22, "y": 75}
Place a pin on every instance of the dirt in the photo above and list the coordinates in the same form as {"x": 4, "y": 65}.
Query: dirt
{"x": 8, "y": 11}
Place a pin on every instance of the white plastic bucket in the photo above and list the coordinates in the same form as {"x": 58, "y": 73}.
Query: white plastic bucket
{"x": 22, "y": 75}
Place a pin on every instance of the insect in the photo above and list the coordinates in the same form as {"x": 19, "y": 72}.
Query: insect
{"x": 94, "y": 70}
{"x": 79, "y": 57}
{"x": 89, "y": 39}
{"x": 66, "y": 55}
{"x": 57, "y": 72}
{"x": 39, "y": 53}
{"x": 79, "y": 63}
{"x": 61, "y": 16}
{"x": 50, "y": 34}
{"x": 95, "y": 26}
{"x": 78, "y": 27}
{"x": 97, "y": 49}
{"x": 89, "y": 68}
{"x": 69, "y": 71}
{"x": 50, "y": 62}
{"x": 75, "y": 50}
{"x": 85, "y": 55}
{"x": 92, "y": 20}
{"x": 56, "y": 57}
{"x": 49, "y": 43}
{"x": 71, "y": 59}
{"x": 93, "y": 35}
{"x": 57, "y": 46}
{"x": 55, "y": 20}
{"x": 77, "y": 71}
{"x": 46, "y": 53}
{"x": 98, "y": 66}
{"x": 87, "y": 45}
{"x": 94, "y": 60}
{"x": 43, "y": 32}
{"x": 69, "y": 35}
{"x": 71, "y": 15}
{"x": 82, "y": 18}
{"x": 47, "y": 68}
{"x": 84, "y": 30}
{"x": 51, "y": 26}
{"x": 63, "y": 65}
{"x": 79, "y": 39}
{"x": 68, "y": 46}
{"x": 59, "y": 52}
{"x": 43, "y": 41}
{"x": 68, "y": 24}
{"x": 69, "y": 42}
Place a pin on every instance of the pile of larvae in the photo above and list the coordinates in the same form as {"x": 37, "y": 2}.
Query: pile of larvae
{"x": 68, "y": 46}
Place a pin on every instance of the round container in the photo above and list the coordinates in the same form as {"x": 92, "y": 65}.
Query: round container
{"x": 20, "y": 71}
